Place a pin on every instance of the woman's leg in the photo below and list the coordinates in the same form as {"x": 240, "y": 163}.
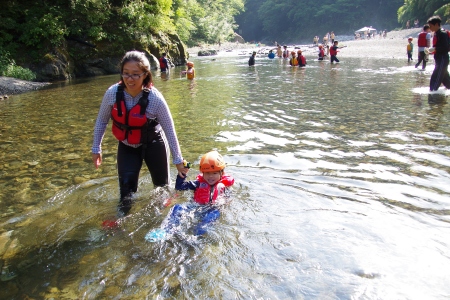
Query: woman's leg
{"x": 157, "y": 160}
{"x": 129, "y": 163}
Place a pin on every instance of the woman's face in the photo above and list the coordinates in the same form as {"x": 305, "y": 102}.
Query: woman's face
{"x": 133, "y": 85}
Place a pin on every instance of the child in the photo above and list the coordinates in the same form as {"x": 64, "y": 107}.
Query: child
{"x": 301, "y": 59}
{"x": 321, "y": 52}
{"x": 293, "y": 61}
{"x": 334, "y": 51}
{"x": 271, "y": 54}
{"x": 190, "y": 72}
{"x": 208, "y": 187}
{"x": 423, "y": 42}
{"x": 409, "y": 49}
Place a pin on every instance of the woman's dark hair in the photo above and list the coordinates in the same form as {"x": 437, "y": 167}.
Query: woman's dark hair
{"x": 143, "y": 63}
{"x": 434, "y": 20}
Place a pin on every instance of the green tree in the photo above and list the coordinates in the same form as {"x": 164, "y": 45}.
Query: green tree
{"x": 422, "y": 10}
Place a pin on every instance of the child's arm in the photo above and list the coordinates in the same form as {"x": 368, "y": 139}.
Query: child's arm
{"x": 182, "y": 185}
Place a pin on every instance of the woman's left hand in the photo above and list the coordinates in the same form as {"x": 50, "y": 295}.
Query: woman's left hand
{"x": 182, "y": 171}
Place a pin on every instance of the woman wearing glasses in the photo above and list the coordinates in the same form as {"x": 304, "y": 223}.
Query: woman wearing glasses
{"x": 142, "y": 123}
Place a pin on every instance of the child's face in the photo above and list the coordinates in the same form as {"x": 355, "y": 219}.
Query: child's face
{"x": 212, "y": 177}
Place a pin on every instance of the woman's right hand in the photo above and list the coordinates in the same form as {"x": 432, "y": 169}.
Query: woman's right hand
{"x": 97, "y": 159}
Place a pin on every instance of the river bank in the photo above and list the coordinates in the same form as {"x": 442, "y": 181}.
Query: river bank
{"x": 13, "y": 86}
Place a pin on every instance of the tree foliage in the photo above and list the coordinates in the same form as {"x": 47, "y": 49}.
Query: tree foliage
{"x": 299, "y": 20}
{"x": 423, "y": 9}
{"x": 36, "y": 25}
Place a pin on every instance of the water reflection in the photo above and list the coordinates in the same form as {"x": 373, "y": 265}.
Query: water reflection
{"x": 342, "y": 188}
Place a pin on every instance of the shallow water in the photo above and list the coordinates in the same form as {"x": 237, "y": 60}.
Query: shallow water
{"x": 342, "y": 188}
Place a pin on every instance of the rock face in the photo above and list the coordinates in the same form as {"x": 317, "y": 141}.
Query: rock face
{"x": 207, "y": 52}
{"x": 238, "y": 39}
{"x": 77, "y": 58}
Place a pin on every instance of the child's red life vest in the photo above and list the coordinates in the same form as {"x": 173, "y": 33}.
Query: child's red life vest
{"x": 333, "y": 50}
{"x": 204, "y": 195}
{"x": 302, "y": 60}
{"x": 129, "y": 124}
{"x": 422, "y": 39}
{"x": 321, "y": 53}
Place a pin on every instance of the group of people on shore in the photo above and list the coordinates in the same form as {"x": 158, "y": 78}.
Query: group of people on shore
{"x": 433, "y": 40}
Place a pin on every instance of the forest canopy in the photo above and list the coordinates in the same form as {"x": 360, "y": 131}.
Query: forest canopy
{"x": 45, "y": 24}
{"x": 293, "y": 20}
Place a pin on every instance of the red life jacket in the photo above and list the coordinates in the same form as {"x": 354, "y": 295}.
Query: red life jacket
{"x": 302, "y": 61}
{"x": 204, "y": 195}
{"x": 321, "y": 53}
{"x": 422, "y": 39}
{"x": 333, "y": 50}
{"x": 162, "y": 63}
{"x": 435, "y": 39}
{"x": 129, "y": 124}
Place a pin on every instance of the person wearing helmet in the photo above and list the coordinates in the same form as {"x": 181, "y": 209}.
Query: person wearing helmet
{"x": 293, "y": 61}
{"x": 208, "y": 187}
{"x": 190, "y": 72}
{"x": 409, "y": 49}
{"x": 301, "y": 59}
{"x": 321, "y": 52}
{"x": 211, "y": 183}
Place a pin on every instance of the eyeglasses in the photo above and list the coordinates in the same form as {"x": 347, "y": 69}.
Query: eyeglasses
{"x": 134, "y": 76}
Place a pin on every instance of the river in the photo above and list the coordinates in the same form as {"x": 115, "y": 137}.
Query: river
{"x": 342, "y": 188}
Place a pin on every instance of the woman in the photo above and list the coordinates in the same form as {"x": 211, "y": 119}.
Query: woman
{"x": 142, "y": 123}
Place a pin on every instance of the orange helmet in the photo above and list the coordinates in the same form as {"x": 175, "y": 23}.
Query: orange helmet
{"x": 190, "y": 64}
{"x": 320, "y": 46}
{"x": 410, "y": 39}
{"x": 212, "y": 162}
{"x": 299, "y": 51}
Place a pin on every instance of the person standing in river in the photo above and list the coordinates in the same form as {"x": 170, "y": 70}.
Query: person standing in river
{"x": 441, "y": 59}
{"x": 251, "y": 60}
{"x": 423, "y": 42}
{"x": 143, "y": 125}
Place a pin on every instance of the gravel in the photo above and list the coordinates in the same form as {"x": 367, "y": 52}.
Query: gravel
{"x": 13, "y": 86}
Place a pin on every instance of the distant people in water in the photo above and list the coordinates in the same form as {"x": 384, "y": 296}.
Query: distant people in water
{"x": 285, "y": 52}
{"x": 321, "y": 52}
{"x": 190, "y": 71}
{"x": 163, "y": 63}
{"x": 251, "y": 60}
{"x": 271, "y": 55}
{"x": 333, "y": 52}
{"x": 440, "y": 49}
{"x": 423, "y": 42}
{"x": 293, "y": 61}
{"x": 409, "y": 49}
{"x": 279, "y": 51}
{"x": 301, "y": 59}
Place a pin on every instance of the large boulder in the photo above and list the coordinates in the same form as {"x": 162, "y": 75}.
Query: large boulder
{"x": 77, "y": 58}
{"x": 207, "y": 52}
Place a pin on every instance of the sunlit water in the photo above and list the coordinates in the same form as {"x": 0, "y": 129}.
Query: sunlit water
{"x": 342, "y": 188}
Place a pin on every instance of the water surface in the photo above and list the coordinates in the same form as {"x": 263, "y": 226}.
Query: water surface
{"x": 342, "y": 188}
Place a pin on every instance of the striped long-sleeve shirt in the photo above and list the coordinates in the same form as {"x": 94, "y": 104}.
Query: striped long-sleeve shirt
{"x": 157, "y": 108}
